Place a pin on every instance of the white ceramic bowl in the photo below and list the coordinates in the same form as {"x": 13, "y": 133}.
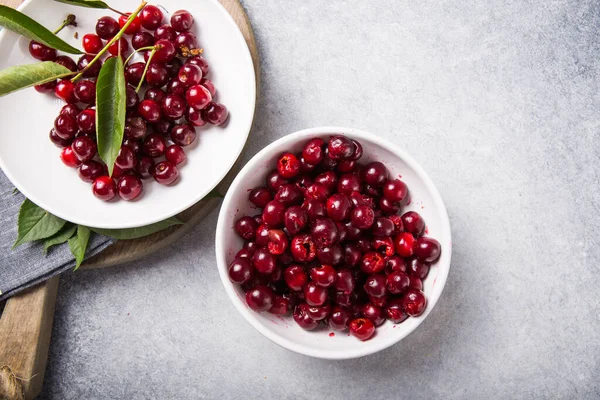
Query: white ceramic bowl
{"x": 425, "y": 199}
{"x": 32, "y": 162}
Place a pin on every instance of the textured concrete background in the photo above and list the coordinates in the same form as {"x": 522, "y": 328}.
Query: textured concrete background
{"x": 499, "y": 101}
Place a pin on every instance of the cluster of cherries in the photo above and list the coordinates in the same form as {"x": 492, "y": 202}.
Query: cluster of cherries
{"x": 330, "y": 243}
{"x": 158, "y": 126}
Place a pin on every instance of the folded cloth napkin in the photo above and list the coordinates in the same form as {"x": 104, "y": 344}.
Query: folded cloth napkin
{"x": 27, "y": 265}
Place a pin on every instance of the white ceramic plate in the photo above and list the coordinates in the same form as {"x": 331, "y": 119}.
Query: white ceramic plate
{"x": 425, "y": 199}
{"x": 32, "y": 162}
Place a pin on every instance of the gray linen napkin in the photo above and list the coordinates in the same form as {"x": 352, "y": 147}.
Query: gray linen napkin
{"x": 27, "y": 265}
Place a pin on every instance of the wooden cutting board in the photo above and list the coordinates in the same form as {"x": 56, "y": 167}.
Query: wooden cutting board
{"x": 26, "y": 322}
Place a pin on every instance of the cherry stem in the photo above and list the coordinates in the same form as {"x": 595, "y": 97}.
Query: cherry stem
{"x": 69, "y": 21}
{"x": 117, "y": 11}
{"x": 112, "y": 41}
{"x": 146, "y": 69}
{"x": 137, "y": 51}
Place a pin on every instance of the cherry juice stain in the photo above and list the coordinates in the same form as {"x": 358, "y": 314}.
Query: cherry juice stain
{"x": 331, "y": 334}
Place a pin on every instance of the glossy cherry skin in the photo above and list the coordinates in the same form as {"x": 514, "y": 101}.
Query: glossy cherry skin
{"x": 395, "y": 263}
{"x": 215, "y": 113}
{"x": 373, "y": 313}
{"x": 278, "y": 242}
{"x": 295, "y": 277}
{"x": 415, "y": 283}
{"x": 260, "y": 196}
{"x": 175, "y": 154}
{"x": 198, "y": 96}
{"x": 145, "y": 167}
{"x": 387, "y": 207}
{"x": 324, "y": 275}
{"x": 41, "y": 52}
{"x": 240, "y": 271}
{"x": 65, "y": 126}
{"x": 263, "y": 261}
{"x": 427, "y": 249}
{"x": 362, "y": 328}
{"x": 135, "y": 25}
{"x": 314, "y": 294}
{"x": 91, "y": 72}
{"x": 339, "y": 207}
{"x": 194, "y": 117}
{"x": 84, "y": 148}
{"x": 340, "y": 148}
{"x": 165, "y": 51}
{"x": 92, "y": 43}
{"x": 418, "y": 268}
{"x": 338, "y": 318}
{"x": 190, "y": 75}
{"x": 201, "y": 62}
{"x": 185, "y": 42}
{"x": 331, "y": 255}
{"x": 394, "y": 311}
{"x": 414, "y": 302}
{"x": 165, "y": 173}
{"x": 348, "y": 183}
{"x": 120, "y": 46}
{"x": 209, "y": 85}
{"x": 182, "y": 21}
{"x": 66, "y": 62}
{"x": 273, "y": 213}
{"x": 372, "y": 263}
{"x": 173, "y": 106}
{"x": 104, "y": 188}
{"x": 89, "y": 171}
{"x": 302, "y": 317}
{"x": 154, "y": 145}
{"x": 165, "y": 32}
{"x": 129, "y": 187}
{"x": 262, "y": 234}
{"x": 65, "y": 90}
{"x": 303, "y": 248}
{"x": 157, "y": 76}
{"x": 46, "y": 87}
{"x": 397, "y": 282}
{"x": 413, "y": 223}
{"x": 246, "y": 227}
{"x": 134, "y": 72}
{"x": 289, "y": 195}
{"x": 395, "y": 191}
{"x": 314, "y": 209}
{"x": 313, "y": 151}
{"x": 260, "y": 298}
{"x": 404, "y": 243}
{"x": 107, "y": 28}
{"x": 142, "y": 39}
{"x": 344, "y": 281}
{"x": 375, "y": 173}
{"x": 183, "y": 134}
{"x": 319, "y": 313}
{"x": 295, "y": 220}
{"x": 288, "y": 166}
{"x": 149, "y": 110}
{"x": 375, "y": 285}
{"x": 135, "y": 128}
{"x": 69, "y": 158}
{"x": 363, "y": 217}
{"x": 151, "y": 17}
{"x": 281, "y": 306}
{"x": 324, "y": 232}
{"x": 58, "y": 141}
{"x": 85, "y": 91}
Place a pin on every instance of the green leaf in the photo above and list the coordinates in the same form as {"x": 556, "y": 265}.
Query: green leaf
{"x": 22, "y": 76}
{"x": 78, "y": 244}
{"x": 110, "y": 110}
{"x": 20, "y": 23}
{"x": 15, "y": 191}
{"x": 61, "y": 237}
{"x": 36, "y": 223}
{"x": 134, "y": 233}
{"x": 85, "y": 3}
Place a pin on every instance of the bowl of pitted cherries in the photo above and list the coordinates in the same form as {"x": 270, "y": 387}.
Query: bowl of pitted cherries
{"x": 333, "y": 243}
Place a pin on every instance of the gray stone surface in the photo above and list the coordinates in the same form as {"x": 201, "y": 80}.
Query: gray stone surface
{"x": 499, "y": 101}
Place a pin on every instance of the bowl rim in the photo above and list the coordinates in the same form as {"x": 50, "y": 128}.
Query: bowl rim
{"x": 238, "y": 148}
{"x": 250, "y": 316}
